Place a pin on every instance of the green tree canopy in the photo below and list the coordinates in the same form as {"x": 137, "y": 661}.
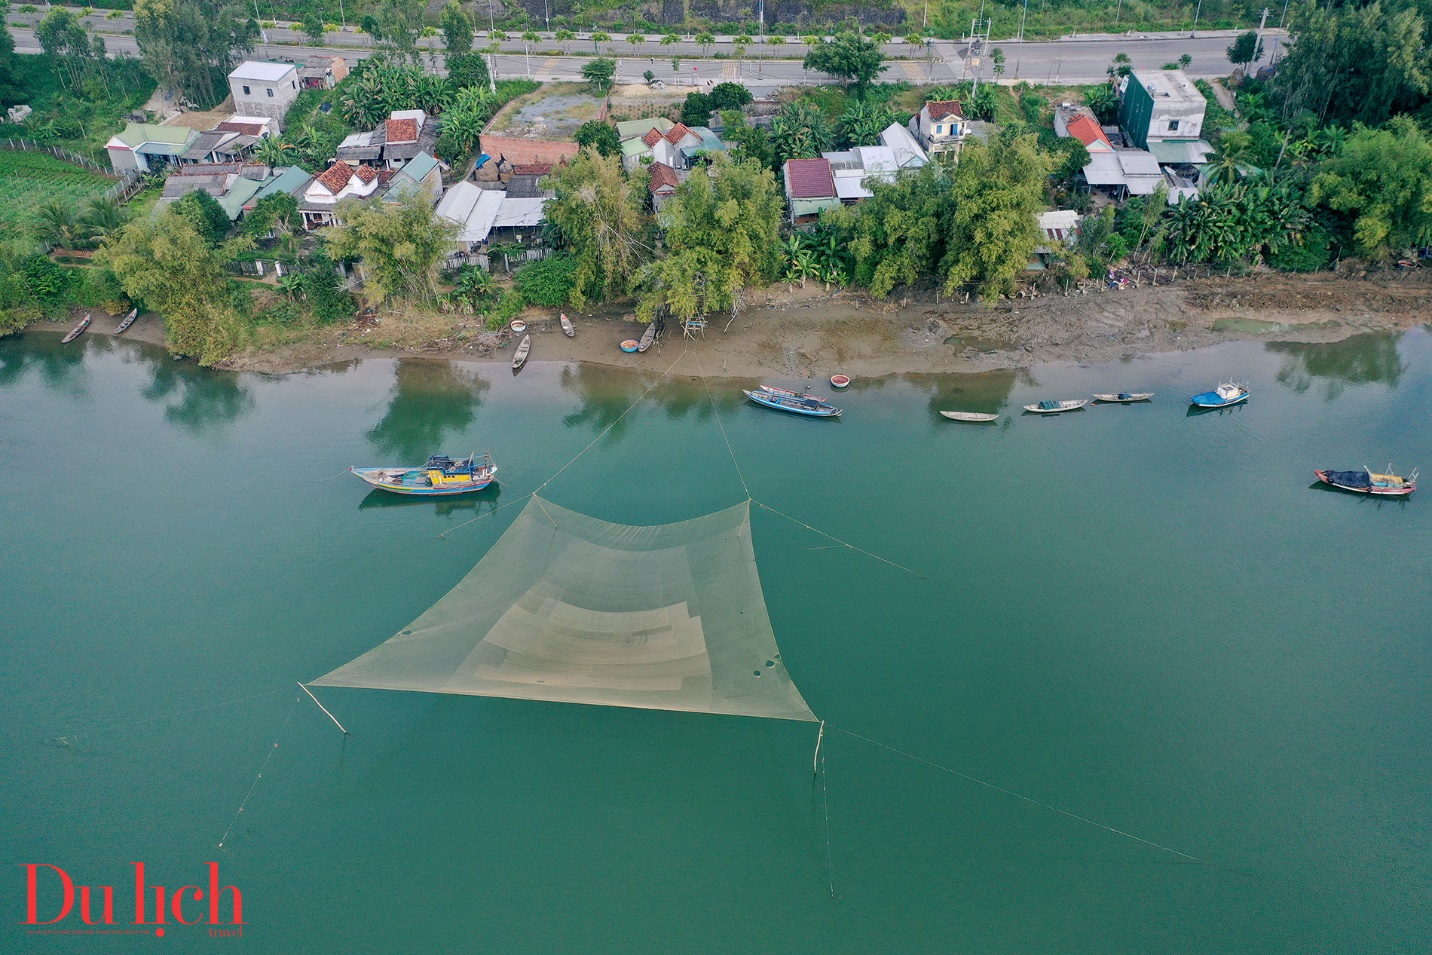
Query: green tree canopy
{"x": 723, "y": 230}
{"x": 996, "y": 192}
{"x": 190, "y": 45}
{"x": 602, "y": 220}
{"x": 599, "y": 73}
{"x": 1383, "y": 177}
{"x": 205, "y": 214}
{"x": 729, "y": 95}
{"x": 164, "y": 262}
{"x": 600, "y": 136}
{"x": 1247, "y": 48}
{"x": 850, "y": 57}
{"x": 467, "y": 69}
{"x": 10, "y": 91}
{"x": 896, "y": 237}
{"x": 400, "y": 244}
{"x": 696, "y": 109}
{"x": 457, "y": 28}
{"x": 1356, "y": 63}
{"x": 800, "y": 131}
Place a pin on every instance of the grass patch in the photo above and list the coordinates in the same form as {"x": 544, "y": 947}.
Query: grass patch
{"x": 28, "y": 179}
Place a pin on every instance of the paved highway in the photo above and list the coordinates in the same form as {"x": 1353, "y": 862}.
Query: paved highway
{"x": 1069, "y": 61}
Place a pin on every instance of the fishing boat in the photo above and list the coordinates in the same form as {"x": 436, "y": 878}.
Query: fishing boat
{"x": 128, "y": 321}
{"x": 77, "y": 331}
{"x": 518, "y": 326}
{"x": 795, "y": 404}
{"x": 968, "y": 416}
{"x": 1367, "y": 481}
{"x": 1050, "y": 406}
{"x": 648, "y": 337}
{"x": 440, "y": 476}
{"x": 1124, "y": 397}
{"x": 630, "y": 345}
{"x": 773, "y": 390}
{"x": 840, "y": 381}
{"x": 567, "y": 328}
{"x": 523, "y": 347}
{"x": 1227, "y": 393}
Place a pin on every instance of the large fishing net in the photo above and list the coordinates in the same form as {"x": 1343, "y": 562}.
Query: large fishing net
{"x": 572, "y": 609}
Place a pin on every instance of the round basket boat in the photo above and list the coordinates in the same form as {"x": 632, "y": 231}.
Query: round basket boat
{"x": 630, "y": 345}
{"x": 839, "y": 381}
{"x": 518, "y": 325}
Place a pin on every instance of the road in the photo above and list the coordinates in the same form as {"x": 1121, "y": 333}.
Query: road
{"x": 1070, "y": 61}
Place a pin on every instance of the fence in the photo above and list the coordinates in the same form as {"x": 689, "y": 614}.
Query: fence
{"x": 25, "y": 146}
{"x": 257, "y": 267}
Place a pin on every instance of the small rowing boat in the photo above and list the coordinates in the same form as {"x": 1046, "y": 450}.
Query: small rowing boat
{"x": 440, "y": 476}
{"x": 1227, "y": 393}
{"x": 969, "y": 416}
{"x": 128, "y": 321}
{"x": 567, "y": 328}
{"x": 523, "y": 348}
{"x": 1124, "y": 397}
{"x": 1050, "y": 406}
{"x": 630, "y": 346}
{"x": 77, "y": 331}
{"x": 648, "y": 338}
{"x": 795, "y": 404}
{"x": 840, "y": 381}
{"x": 1367, "y": 481}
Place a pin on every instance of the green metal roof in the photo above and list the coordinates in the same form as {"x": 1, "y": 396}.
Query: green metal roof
{"x": 137, "y": 134}
{"x": 240, "y": 192}
{"x": 289, "y": 180}
{"x": 419, "y": 167}
{"x": 634, "y": 147}
{"x": 639, "y": 127}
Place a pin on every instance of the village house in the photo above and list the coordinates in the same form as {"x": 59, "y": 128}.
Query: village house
{"x": 231, "y": 184}
{"x": 1162, "y": 111}
{"x": 856, "y": 168}
{"x": 662, "y": 186}
{"x": 338, "y": 182}
{"x": 144, "y": 148}
{"x": 904, "y": 146}
{"x": 810, "y": 189}
{"x": 940, "y": 127}
{"x": 488, "y": 217}
{"x": 322, "y": 73}
{"x": 422, "y": 173}
{"x": 264, "y": 88}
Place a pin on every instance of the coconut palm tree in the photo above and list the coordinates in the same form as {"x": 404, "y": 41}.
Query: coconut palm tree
{"x": 1235, "y": 149}
{"x": 528, "y": 39}
{"x": 705, "y": 41}
{"x": 671, "y": 39}
{"x": 601, "y": 36}
{"x": 636, "y": 40}
{"x": 272, "y": 151}
{"x": 57, "y": 225}
{"x": 565, "y": 37}
{"x": 102, "y": 217}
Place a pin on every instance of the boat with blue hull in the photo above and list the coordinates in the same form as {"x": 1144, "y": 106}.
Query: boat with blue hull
{"x": 441, "y": 476}
{"x": 796, "y": 404}
{"x": 1227, "y": 393}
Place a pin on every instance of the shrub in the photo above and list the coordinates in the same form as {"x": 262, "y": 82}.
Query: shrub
{"x": 696, "y": 111}
{"x": 547, "y": 282}
{"x": 729, "y": 96}
{"x": 509, "y": 308}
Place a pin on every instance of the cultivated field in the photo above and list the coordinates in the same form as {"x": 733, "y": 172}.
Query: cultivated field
{"x": 29, "y": 178}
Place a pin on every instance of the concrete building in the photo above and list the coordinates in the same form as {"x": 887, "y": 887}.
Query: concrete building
{"x": 940, "y": 126}
{"x": 261, "y": 88}
{"x": 144, "y": 148}
{"x": 1162, "y": 111}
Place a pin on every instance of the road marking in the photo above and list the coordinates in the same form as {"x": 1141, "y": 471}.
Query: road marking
{"x": 729, "y": 71}
{"x": 915, "y": 71}
{"x": 549, "y": 65}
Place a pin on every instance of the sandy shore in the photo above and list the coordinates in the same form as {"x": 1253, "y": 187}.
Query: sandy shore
{"x": 813, "y": 333}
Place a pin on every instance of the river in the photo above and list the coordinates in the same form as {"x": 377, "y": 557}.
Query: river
{"x": 1122, "y": 680}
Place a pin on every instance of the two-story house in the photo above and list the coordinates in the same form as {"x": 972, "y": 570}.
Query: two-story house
{"x": 940, "y": 127}
{"x": 261, "y": 88}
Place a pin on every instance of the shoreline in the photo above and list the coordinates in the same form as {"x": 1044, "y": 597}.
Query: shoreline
{"x": 811, "y": 333}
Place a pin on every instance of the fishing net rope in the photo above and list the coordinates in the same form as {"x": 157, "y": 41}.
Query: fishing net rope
{"x": 569, "y": 608}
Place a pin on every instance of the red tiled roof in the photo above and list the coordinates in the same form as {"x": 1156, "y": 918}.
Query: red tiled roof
{"x": 402, "y": 131}
{"x": 532, "y": 169}
{"x": 244, "y": 129}
{"x": 365, "y": 174}
{"x": 652, "y": 137}
{"x": 947, "y": 107}
{"x": 1087, "y": 131}
{"x": 676, "y": 133}
{"x": 662, "y": 177}
{"x": 336, "y": 176}
{"x": 385, "y": 175}
{"x": 810, "y": 178}
{"x": 519, "y": 151}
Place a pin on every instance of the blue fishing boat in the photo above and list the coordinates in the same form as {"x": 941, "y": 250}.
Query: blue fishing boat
{"x": 1227, "y": 393}
{"x": 440, "y": 476}
{"x": 795, "y": 404}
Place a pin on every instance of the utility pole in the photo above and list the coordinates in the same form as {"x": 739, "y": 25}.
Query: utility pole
{"x": 1020, "y": 55}
{"x": 1283, "y": 15}
{"x": 1197, "y": 10}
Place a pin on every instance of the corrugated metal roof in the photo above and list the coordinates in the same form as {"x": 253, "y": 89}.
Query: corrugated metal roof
{"x": 264, "y": 71}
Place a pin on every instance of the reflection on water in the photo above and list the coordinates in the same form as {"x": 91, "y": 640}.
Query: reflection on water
{"x": 1360, "y": 360}
{"x": 1194, "y": 410}
{"x": 478, "y": 502}
{"x": 606, "y": 395}
{"x": 195, "y": 398}
{"x": 430, "y": 401}
{"x": 55, "y": 362}
{"x": 984, "y": 393}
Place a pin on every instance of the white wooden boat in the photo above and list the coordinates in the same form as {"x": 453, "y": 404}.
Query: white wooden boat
{"x": 1056, "y": 407}
{"x": 647, "y": 338}
{"x": 1124, "y": 397}
{"x": 523, "y": 348}
{"x": 968, "y": 416}
{"x": 128, "y": 321}
{"x": 76, "y": 331}
{"x": 567, "y": 328}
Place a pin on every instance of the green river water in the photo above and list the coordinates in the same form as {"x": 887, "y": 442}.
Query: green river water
{"x": 1135, "y": 616}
